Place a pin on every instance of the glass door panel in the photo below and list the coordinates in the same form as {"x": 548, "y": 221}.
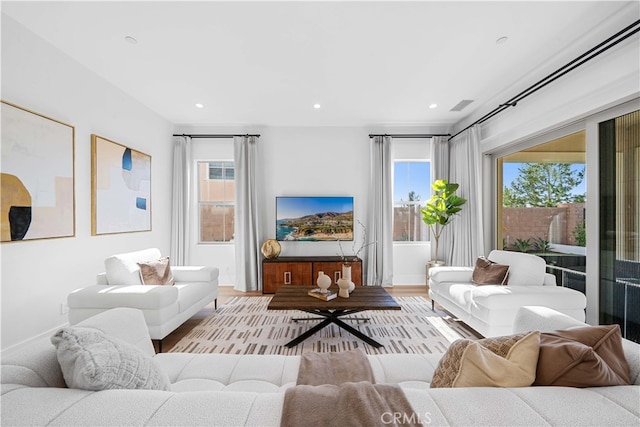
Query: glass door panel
{"x": 619, "y": 153}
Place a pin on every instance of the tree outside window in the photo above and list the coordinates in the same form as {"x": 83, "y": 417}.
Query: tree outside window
{"x": 543, "y": 204}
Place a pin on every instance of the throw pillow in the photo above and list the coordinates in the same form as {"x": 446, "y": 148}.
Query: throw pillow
{"x": 156, "y": 272}
{"x": 589, "y": 356}
{"x": 487, "y": 272}
{"x": 508, "y": 361}
{"x": 91, "y": 360}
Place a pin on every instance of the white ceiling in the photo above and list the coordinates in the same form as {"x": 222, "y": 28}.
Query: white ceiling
{"x": 366, "y": 63}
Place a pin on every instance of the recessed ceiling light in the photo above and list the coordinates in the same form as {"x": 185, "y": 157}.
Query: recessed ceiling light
{"x": 198, "y": 105}
{"x": 502, "y": 40}
{"x": 432, "y": 106}
{"x": 316, "y": 106}
{"x": 131, "y": 40}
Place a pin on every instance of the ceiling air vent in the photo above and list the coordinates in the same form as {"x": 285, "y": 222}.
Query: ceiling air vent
{"x": 461, "y": 105}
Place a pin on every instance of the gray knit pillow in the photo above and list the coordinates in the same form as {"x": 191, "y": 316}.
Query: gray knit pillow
{"x": 91, "y": 360}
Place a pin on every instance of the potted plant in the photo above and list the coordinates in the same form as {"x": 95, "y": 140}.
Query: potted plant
{"x": 439, "y": 211}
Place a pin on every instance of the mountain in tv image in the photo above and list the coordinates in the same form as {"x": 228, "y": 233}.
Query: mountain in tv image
{"x": 317, "y": 226}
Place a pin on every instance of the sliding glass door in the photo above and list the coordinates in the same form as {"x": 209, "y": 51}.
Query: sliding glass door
{"x": 541, "y": 205}
{"x": 619, "y": 252}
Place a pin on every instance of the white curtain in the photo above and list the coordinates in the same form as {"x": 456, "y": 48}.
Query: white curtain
{"x": 181, "y": 202}
{"x": 247, "y": 222}
{"x": 380, "y": 219}
{"x": 440, "y": 170}
{"x": 465, "y": 237}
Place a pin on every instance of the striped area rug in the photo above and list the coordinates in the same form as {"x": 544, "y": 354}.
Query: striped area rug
{"x": 243, "y": 325}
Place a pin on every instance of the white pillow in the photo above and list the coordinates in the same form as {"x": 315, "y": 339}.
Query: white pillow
{"x": 122, "y": 269}
{"x": 91, "y": 360}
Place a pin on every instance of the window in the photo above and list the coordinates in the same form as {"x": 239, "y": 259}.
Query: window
{"x": 542, "y": 205}
{"x": 216, "y": 201}
{"x": 542, "y": 202}
{"x": 411, "y": 189}
{"x": 221, "y": 170}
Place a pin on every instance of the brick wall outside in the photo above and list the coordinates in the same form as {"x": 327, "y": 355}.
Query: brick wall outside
{"x": 553, "y": 224}
{"x": 575, "y": 215}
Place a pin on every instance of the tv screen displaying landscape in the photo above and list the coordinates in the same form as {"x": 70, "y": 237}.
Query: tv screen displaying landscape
{"x": 314, "y": 218}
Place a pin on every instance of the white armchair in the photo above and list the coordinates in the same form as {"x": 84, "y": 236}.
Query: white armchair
{"x": 164, "y": 307}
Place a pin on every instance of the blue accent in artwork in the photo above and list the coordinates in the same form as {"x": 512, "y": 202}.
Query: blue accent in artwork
{"x": 127, "y": 163}
{"x": 141, "y": 203}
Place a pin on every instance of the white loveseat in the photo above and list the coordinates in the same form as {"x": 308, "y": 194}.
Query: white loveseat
{"x": 234, "y": 390}
{"x": 491, "y": 309}
{"x": 164, "y": 307}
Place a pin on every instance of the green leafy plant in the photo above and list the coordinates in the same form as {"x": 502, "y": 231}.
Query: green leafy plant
{"x": 580, "y": 233}
{"x": 440, "y": 208}
{"x": 522, "y": 245}
{"x": 541, "y": 244}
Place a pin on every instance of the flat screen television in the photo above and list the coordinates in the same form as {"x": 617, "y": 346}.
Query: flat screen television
{"x": 309, "y": 218}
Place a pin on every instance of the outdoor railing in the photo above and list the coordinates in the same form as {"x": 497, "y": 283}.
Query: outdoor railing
{"x": 624, "y": 303}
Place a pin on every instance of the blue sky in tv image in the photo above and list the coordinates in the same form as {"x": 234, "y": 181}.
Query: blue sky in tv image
{"x": 296, "y": 207}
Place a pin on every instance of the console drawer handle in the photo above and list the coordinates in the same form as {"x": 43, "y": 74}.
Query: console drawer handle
{"x": 287, "y": 277}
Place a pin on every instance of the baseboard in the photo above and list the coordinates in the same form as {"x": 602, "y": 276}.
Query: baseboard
{"x": 408, "y": 279}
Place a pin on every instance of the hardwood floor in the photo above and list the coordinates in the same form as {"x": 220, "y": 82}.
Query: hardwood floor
{"x": 227, "y": 292}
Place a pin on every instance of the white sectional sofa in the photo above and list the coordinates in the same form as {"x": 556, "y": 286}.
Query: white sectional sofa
{"x": 491, "y": 309}
{"x": 234, "y": 390}
{"x": 164, "y": 307}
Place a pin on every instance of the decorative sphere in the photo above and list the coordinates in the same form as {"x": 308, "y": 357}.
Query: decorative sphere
{"x": 271, "y": 249}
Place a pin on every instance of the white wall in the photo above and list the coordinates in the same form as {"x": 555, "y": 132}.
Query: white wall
{"x": 38, "y": 275}
{"x": 607, "y": 80}
{"x": 310, "y": 161}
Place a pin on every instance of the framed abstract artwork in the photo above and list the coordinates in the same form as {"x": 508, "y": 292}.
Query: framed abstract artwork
{"x": 120, "y": 188}
{"x": 36, "y": 176}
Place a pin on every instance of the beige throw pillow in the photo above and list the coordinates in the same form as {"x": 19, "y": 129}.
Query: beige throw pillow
{"x": 156, "y": 272}
{"x": 508, "y": 361}
{"x": 487, "y": 272}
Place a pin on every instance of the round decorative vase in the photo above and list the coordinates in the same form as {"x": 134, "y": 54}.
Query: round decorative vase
{"x": 271, "y": 249}
{"x": 346, "y": 274}
{"x": 323, "y": 282}
{"x": 343, "y": 284}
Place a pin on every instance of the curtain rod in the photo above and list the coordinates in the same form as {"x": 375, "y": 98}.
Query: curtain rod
{"x": 215, "y": 135}
{"x": 587, "y": 56}
{"x": 410, "y": 135}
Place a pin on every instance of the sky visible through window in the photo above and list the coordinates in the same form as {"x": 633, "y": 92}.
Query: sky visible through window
{"x": 411, "y": 176}
{"x": 415, "y": 176}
